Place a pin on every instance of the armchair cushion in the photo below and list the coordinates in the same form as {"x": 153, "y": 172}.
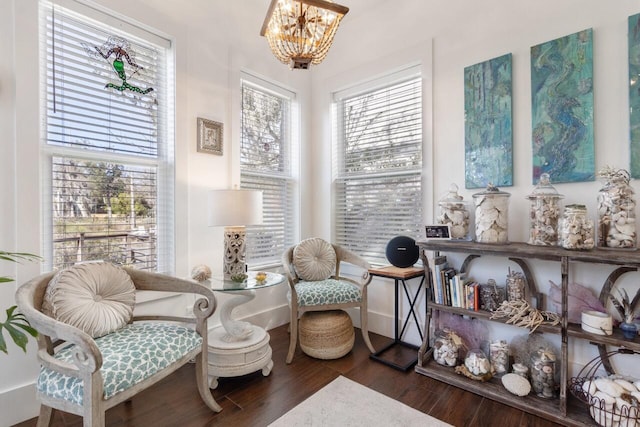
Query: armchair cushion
{"x": 130, "y": 355}
{"x": 314, "y": 259}
{"x": 329, "y": 291}
{"x": 95, "y": 297}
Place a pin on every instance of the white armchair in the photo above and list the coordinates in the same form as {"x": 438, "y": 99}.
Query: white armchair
{"x": 94, "y": 353}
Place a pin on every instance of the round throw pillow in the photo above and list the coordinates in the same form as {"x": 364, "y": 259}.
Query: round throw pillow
{"x": 314, "y": 259}
{"x": 95, "y": 297}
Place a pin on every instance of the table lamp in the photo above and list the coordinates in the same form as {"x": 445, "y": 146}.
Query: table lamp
{"x": 234, "y": 209}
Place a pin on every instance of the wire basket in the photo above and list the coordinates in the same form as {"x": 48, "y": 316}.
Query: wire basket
{"x": 605, "y": 409}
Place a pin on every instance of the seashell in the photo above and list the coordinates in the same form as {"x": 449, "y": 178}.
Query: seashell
{"x": 625, "y": 385}
{"x": 589, "y": 387}
{"x": 609, "y": 387}
{"x": 200, "y": 273}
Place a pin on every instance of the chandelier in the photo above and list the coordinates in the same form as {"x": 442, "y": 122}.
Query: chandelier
{"x": 300, "y": 32}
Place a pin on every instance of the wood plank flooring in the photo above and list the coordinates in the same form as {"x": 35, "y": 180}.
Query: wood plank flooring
{"x": 254, "y": 400}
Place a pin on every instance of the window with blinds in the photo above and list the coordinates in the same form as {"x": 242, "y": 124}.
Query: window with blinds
{"x": 378, "y": 165}
{"x": 108, "y": 171}
{"x": 267, "y": 164}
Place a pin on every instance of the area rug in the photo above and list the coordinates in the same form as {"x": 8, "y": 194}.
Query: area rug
{"x": 343, "y": 402}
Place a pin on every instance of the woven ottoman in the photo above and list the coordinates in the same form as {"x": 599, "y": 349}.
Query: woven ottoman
{"x": 326, "y": 334}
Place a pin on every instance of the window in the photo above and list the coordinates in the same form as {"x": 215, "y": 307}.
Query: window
{"x": 268, "y": 163}
{"x": 108, "y": 144}
{"x": 378, "y": 164}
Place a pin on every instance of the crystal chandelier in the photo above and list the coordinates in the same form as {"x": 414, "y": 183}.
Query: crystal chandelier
{"x": 300, "y": 32}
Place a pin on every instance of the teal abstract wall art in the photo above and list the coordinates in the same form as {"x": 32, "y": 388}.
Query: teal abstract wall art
{"x": 488, "y": 122}
{"x": 634, "y": 94}
{"x": 562, "y": 108}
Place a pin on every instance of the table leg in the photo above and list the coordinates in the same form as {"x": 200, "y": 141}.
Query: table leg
{"x": 237, "y": 330}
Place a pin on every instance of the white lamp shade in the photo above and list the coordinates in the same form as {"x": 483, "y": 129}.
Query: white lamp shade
{"x": 235, "y": 207}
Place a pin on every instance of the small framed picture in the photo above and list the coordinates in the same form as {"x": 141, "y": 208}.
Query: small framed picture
{"x": 210, "y": 136}
{"x": 438, "y": 231}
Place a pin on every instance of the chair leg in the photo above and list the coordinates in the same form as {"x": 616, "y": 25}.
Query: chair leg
{"x": 293, "y": 337}
{"x": 364, "y": 327}
{"x": 202, "y": 377}
{"x": 45, "y": 417}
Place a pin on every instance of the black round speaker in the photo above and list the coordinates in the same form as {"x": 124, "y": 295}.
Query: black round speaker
{"x": 402, "y": 251}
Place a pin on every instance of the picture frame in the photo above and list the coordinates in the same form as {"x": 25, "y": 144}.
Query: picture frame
{"x": 210, "y": 134}
{"x": 438, "y": 232}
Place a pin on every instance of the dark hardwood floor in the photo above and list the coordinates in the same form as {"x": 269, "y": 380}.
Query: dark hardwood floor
{"x": 254, "y": 400}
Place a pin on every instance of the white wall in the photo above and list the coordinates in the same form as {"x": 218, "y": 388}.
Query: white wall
{"x": 458, "y": 35}
{"x": 215, "y": 40}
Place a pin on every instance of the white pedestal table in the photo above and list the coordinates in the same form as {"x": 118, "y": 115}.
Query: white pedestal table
{"x": 237, "y": 347}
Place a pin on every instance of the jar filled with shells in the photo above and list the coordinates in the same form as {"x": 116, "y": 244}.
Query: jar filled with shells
{"x": 477, "y": 363}
{"x": 454, "y": 211}
{"x": 491, "y": 215}
{"x": 516, "y": 286}
{"x": 616, "y": 210}
{"x": 576, "y": 229}
{"x": 446, "y": 346}
{"x": 499, "y": 356}
{"x": 491, "y": 295}
{"x": 543, "y": 373}
{"x": 544, "y": 213}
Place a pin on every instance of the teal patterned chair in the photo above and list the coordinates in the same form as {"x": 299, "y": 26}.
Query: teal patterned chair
{"x": 94, "y": 353}
{"x": 312, "y": 268}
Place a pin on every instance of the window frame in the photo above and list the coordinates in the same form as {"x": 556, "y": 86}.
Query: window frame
{"x": 339, "y": 176}
{"x": 291, "y": 177}
{"x": 163, "y": 162}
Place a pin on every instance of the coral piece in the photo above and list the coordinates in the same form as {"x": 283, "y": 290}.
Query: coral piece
{"x": 581, "y": 299}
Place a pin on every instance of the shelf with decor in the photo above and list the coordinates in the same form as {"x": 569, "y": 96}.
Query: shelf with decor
{"x": 561, "y": 410}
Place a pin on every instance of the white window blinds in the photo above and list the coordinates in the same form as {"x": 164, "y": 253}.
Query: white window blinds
{"x": 377, "y": 166}
{"x": 108, "y": 178}
{"x": 267, "y": 163}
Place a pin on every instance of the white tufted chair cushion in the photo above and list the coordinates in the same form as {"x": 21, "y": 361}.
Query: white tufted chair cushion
{"x": 95, "y": 297}
{"x": 314, "y": 259}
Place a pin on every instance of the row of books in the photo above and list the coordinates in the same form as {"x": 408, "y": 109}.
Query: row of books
{"x": 451, "y": 287}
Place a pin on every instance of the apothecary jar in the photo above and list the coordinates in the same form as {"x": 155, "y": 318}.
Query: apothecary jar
{"x": 576, "y": 229}
{"x": 616, "y": 210}
{"x": 491, "y": 215}
{"x": 454, "y": 212}
{"x": 544, "y": 213}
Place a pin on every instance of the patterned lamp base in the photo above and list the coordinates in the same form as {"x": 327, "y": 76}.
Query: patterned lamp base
{"x": 234, "y": 251}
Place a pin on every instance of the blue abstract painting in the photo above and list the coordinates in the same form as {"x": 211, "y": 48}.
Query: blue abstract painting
{"x": 634, "y": 94}
{"x": 488, "y": 138}
{"x": 562, "y": 108}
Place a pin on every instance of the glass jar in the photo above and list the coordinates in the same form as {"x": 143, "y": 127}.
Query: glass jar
{"x": 516, "y": 286}
{"x": 445, "y": 347}
{"x": 521, "y": 369}
{"x": 576, "y": 229}
{"x": 543, "y": 373}
{"x": 491, "y": 215}
{"x": 499, "y": 355}
{"x": 544, "y": 213}
{"x": 477, "y": 363}
{"x": 616, "y": 210}
{"x": 454, "y": 211}
{"x": 491, "y": 296}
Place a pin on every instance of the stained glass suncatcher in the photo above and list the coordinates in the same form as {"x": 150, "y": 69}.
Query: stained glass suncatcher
{"x": 488, "y": 123}
{"x": 562, "y": 108}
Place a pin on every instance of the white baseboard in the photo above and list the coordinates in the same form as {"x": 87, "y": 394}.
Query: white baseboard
{"x": 18, "y": 404}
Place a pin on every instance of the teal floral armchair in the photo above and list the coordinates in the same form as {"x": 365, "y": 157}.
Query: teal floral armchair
{"x": 94, "y": 353}
{"x": 312, "y": 268}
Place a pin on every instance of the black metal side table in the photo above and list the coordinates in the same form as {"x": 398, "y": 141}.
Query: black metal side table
{"x": 400, "y": 354}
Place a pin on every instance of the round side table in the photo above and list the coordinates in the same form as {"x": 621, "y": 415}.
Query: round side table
{"x": 236, "y": 347}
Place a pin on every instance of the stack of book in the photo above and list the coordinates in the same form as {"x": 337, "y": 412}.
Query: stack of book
{"x": 451, "y": 287}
